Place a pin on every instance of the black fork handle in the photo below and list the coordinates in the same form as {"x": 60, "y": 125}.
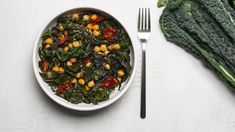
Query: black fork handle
{"x": 143, "y": 86}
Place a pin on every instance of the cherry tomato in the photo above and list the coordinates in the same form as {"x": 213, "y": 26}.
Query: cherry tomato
{"x": 63, "y": 87}
{"x": 64, "y": 39}
{"x": 110, "y": 82}
{"x": 109, "y": 33}
{"x": 45, "y": 66}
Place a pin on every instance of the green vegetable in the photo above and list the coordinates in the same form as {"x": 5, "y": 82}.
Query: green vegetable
{"x": 219, "y": 12}
{"x": 228, "y": 4}
{"x": 207, "y": 33}
{"x": 194, "y": 26}
{"x": 171, "y": 4}
{"x": 161, "y": 3}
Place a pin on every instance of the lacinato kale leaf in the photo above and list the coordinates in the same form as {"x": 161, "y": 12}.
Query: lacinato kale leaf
{"x": 193, "y": 26}
{"x": 218, "y": 10}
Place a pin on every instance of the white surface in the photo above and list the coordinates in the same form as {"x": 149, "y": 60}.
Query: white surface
{"x": 182, "y": 95}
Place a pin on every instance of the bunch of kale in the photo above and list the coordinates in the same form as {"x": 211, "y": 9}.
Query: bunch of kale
{"x": 205, "y": 28}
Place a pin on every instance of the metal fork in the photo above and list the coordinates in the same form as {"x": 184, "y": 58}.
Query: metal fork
{"x": 144, "y": 30}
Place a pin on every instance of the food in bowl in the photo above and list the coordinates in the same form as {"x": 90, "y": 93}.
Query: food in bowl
{"x": 84, "y": 57}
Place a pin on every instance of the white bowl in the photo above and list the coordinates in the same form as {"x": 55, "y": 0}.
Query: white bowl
{"x": 115, "y": 95}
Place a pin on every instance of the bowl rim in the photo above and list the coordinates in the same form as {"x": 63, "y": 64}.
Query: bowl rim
{"x": 67, "y": 104}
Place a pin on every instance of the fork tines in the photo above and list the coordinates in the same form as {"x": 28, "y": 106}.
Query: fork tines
{"x": 144, "y": 22}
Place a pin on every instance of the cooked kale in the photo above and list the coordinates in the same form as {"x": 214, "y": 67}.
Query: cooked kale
{"x": 79, "y": 63}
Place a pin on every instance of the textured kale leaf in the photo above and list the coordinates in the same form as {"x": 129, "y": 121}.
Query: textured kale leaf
{"x": 194, "y": 26}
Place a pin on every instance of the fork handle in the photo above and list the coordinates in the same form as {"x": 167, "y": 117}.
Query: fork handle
{"x": 143, "y": 86}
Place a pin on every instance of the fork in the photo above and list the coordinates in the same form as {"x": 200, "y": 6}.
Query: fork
{"x": 143, "y": 33}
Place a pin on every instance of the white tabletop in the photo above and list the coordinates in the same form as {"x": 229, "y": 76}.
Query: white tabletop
{"x": 182, "y": 95}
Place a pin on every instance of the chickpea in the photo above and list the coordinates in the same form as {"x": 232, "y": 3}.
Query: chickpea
{"x": 76, "y": 44}
{"x": 88, "y": 64}
{"x": 56, "y": 68}
{"x": 49, "y": 41}
{"x": 79, "y": 74}
{"x": 103, "y": 47}
{"x": 81, "y": 81}
{"x": 110, "y": 47}
{"x": 66, "y": 48}
{"x": 89, "y": 26}
{"x": 91, "y": 84}
{"x": 121, "y": 73}
{"x": 75, "y": 16}
{"x": 116, "y": 46}
{"x": 93, "y": 17}
{"x": 61, "y": 70}
{"x": 73, "y": 60}
{"x": 85, "y": 17}
{"x": 119, "y": 79}
{"x": 96, "y": 49}
{"x": 95, "y": 27}
{"x": 74, "y": 80}
{"x": 70, "y": 45}
{"x": 107, "y": 66}
{"x": 96, "y": 33}
{"x": 87, "y": 88}
{"x": 48, "y": 46}
{"x": 61, "y": 27}
{"x": 69, "y": 63}
{"x": 106, "y": 52}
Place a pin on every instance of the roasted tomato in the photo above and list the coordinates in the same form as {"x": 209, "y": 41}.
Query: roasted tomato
{"x": 109, "y": 33}
{"x": 110, "y": 82}
{"x": 45, "y": 66}
{"x": 63, "y": 87}
{"x": 63, "y": 39}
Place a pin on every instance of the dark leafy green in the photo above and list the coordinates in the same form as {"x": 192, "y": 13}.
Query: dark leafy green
{"x": 205, "y": 29}
{"x": 67, "y": 49}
